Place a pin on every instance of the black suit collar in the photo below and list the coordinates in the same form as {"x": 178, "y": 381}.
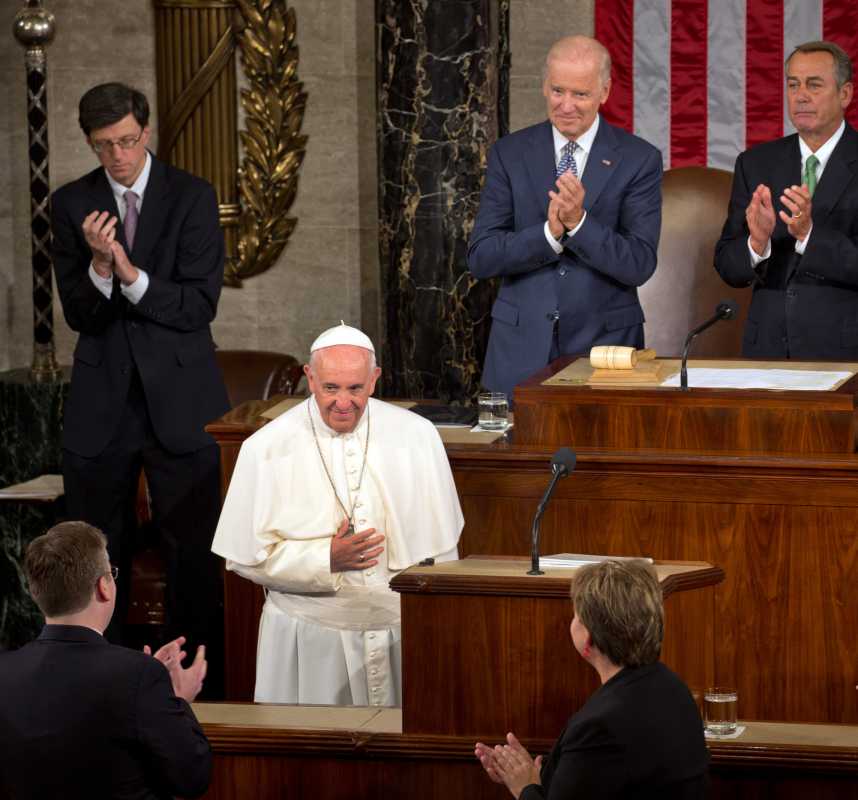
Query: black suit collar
{"x": 629, "y": 675}
{"x": 839, "y": 173}
{"x": 70, "y": 633}
{"x": 153, "y": 215}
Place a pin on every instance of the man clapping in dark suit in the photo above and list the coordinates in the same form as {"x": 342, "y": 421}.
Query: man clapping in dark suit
{"x": 792, "y": 224}
{"x": 81, "y": 718}
{"x": 139, "y": 258}
{"x": 569, "y": 219}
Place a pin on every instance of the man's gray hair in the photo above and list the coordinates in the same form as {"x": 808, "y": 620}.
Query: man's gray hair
{"x": 842, "y": 62}
{"x": 571, "y": 48}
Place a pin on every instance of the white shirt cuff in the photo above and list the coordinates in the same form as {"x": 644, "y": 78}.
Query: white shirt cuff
{"x": 135, "y": 291}
{"x": 555, "y": 245}
{"x": 104, "y": 285}
{"x": 578, "y": 226}
{"x": 801, "y": 244}
{"x": 755, "y": 259}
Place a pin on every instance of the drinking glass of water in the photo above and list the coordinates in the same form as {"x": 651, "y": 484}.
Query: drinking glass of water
{"x": 720, "y": 705}
{"x": 494, "y": 409}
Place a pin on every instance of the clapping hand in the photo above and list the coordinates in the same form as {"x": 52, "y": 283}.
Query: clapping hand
{"x": 187, "y": 682}
{"x": 510, "y": 764}
{"x": 99, "y": 230}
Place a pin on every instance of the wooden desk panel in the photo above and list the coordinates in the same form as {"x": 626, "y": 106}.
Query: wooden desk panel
{"x": 625, "y": 418}
{"x": 366, "y": 757}
{"x": 785, "y": 535}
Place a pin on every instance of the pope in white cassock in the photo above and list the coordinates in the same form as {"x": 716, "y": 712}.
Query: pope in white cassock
{"x": 327, "y": 503}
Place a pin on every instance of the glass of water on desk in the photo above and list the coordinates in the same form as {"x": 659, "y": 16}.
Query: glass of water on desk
{"x": 494, "y": 410}
{"x": 719, "y": 710}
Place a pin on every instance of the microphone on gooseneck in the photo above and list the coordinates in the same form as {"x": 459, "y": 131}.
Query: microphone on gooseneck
{"x": 562, "y": 464}
{"x": 726, "y": 309}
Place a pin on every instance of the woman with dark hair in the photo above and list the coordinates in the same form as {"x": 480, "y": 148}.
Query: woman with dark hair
{"x": 640, "y": 734}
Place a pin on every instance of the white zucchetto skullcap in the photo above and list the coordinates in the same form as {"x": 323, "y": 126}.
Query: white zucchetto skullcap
{"x": 342, "y": 334}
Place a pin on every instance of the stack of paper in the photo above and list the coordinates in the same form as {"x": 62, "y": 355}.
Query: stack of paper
{"x": 580, "y": 560}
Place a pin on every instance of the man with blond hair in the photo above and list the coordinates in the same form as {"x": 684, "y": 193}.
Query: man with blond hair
{"x": 569, "y": 220}
{"x": 327, "y": 503}
{"x": 81, "y": 718}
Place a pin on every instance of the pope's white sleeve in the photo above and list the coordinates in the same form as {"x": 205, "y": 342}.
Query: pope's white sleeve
{"x": 294, "y": 565}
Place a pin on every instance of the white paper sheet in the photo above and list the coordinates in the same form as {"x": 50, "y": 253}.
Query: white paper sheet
{"x": 574, "y": 560}
{"x": 783, "y": 379}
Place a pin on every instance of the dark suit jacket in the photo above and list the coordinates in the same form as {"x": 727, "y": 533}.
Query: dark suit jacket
{"x": 179, "y": 243}
{"x": 803, "y": 307}
{"x": 639, "y": 736}
{"x": 81, "y": 718}
{"x": 593, "y": 283}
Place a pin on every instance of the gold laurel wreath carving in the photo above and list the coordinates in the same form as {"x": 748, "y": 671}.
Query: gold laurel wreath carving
{"x": 274, "y": 148}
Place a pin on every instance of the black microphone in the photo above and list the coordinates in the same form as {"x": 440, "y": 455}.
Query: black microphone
{"x": 562, "y": 463}
{"x": 726, "y": 309}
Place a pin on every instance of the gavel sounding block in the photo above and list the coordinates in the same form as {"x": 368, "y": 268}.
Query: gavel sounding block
{"x": 613, "y": 364}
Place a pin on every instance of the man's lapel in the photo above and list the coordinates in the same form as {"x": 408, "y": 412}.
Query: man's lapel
{"x": 604, "y": 159}
{"x": 153, "y": 215}
{"x": 541, "y": 164}
{"x": 839, "y": 172}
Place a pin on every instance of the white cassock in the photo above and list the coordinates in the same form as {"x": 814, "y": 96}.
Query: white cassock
{"x": 334, "y": 638}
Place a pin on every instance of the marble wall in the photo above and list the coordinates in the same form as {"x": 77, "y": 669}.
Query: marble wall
{"x": 330, "y": 270}
{"x": 441, "y": 75}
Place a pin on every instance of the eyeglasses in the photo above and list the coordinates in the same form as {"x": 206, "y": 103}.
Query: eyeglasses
{"x": 114, "y": 572}
{"x": 125, "y": 143}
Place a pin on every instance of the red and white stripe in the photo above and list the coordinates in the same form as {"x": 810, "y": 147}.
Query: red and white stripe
{"x": 703, "y": 79}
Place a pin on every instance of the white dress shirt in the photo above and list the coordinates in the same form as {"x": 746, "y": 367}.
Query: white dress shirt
{"x": 582, "y": 152}
{"x": 133, "y": 291}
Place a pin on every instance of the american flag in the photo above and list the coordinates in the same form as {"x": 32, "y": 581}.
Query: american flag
{"x": 703, "y": 79}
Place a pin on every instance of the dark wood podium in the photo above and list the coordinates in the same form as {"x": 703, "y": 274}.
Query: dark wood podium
{"x": 764, "y": 484}
{"x": 486, "y": 647}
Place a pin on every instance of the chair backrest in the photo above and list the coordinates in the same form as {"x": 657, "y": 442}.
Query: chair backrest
{"x": 686, "y": 288}
{"x": 257, "y": 374}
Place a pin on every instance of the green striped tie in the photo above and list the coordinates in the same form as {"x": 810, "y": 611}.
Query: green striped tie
{"x": 809, "y": 178}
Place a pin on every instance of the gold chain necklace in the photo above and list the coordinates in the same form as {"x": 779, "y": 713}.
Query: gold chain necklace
{"x": 350, "y": 514}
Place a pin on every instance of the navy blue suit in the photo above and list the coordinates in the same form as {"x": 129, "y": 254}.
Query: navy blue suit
{"x": 593, "y": 283}
{"x": 803, "y": 306}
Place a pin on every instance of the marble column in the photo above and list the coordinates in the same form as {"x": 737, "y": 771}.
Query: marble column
{"x": 442, "y": 78}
